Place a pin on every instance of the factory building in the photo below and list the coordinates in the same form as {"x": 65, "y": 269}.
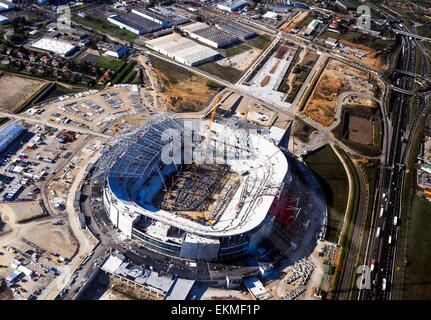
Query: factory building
{"x": 115, "y": 51}
{"x": 345, "y": 4}
{"x": 4, "y": 20}
{"x": 134, "y": 23}
{"x": 60, "y": 47}
{"x": 153, "y": 16}
{"x": 6, "y": 5}
{"x": 236, "y": 31}
{"x": 232, "y": 5}
{"x": 209, "y": 35}
{"x": 9, "y": 134}
{"x": 182, "y": 49}
{"x": 163, "y": 16}
{"x": 312, "y": 27}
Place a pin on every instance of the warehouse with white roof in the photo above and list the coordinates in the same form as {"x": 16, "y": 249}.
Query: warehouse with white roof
{"x": 209, "y": 35}
{"x": 60, "y": 47}
{"x": 4, "y": 20}
{"x": 182, "y": 49}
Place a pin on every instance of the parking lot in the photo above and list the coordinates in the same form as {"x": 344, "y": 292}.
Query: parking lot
{"x": 99, "y": 111}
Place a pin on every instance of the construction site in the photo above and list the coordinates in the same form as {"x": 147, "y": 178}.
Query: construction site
{"x": 336, "y": 81}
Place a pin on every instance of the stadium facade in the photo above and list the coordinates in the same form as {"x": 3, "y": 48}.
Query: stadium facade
{"x": 212, "y": 202}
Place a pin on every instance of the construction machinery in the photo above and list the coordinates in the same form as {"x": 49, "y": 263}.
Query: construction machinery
{"x": 213, "y": 113}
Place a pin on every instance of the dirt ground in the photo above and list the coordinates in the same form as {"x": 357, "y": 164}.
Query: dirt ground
{"x": 337, "y": 78}
{"x": 372, "y": 59}
{"x": 24, "y": 210}
{"x": 15, "y": 90}
{"x": 114, "y": 295}
{"x": 360, "y": 130}
{"x": 43, "y": 234}
{"x": 241, "y": 61}
{"x": 296, "y": 21}
{"x": 189, "y": 95}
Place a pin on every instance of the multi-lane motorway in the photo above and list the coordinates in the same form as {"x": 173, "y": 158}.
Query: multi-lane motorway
{"x": 382, "y": 242}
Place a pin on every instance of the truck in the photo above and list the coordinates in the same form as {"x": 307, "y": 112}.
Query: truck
{"x": 395, "y": 222}
{"x": 381, "y": 212}
{"x": 378, "y": 232}
{"x": 373, "y": 263}
{"x": 384, "y": 284}
{"x": 390, "y": 240}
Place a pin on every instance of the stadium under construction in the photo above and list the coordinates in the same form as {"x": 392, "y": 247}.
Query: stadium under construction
{"x": 204, "y": 191}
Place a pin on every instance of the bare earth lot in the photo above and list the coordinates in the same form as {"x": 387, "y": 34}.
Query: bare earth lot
{"x": 357, "y": 127}
{"x": 337, "y": 78}
{"x": 15, "y": 90}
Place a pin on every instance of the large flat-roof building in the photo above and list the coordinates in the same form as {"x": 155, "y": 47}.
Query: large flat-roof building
{"x": 60, "y": 47}
{"x": 134, "y": 23}
{"x": 182, "y": 49}
{"x": 209, "y": 35}
{"x": 9, "y": 134}
{"x": 345, "y": 4}
{"x": 232, "y": 5}
{"x": 6, "y": 5}
{"x": 4, "y": 20}
{"x": 312, "y": 27}
{"x": 236, "y": 30}
{"x": 162, "y": 16}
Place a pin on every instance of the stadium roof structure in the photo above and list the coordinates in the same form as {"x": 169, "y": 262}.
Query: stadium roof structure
{"x": 133, "y": 168}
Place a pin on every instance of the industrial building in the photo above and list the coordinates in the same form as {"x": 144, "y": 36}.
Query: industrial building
{"x": 209, "y": 35}
{"x": 345, "y": 4}
{"x": 116, "y": 51}
{"x": 134, "y": 23}
{"x": 60, "y": 47}
{"x": 312, "y": 27}
{"x": 162, "y": 16}
{"x": 232, "y": 5}
{"x": 210, "y": 211}
{"x": 9, "y": 134}
{"x": 236, "y": 31}
{"x": 182, "y": 49}
{"x": 6, "y": 5}
{"x": 4, "y": 20}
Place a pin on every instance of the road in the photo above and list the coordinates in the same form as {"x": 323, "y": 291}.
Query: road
{"x": 383, "y": 235}
{"x": 39, "y": 120}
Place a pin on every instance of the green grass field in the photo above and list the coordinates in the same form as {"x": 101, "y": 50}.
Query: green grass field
{"x": 417, "y": 276}
{"x": 109, "y": 63}
{"x": 334, "y": 182}
{"x": 227, "y": 73}
{"x": 260, "y": 42}
{"x": 233, "y": 51}
{"x": 105, "y": 26}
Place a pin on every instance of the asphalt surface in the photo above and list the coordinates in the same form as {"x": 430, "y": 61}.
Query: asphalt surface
{"x": 383, "y": 236}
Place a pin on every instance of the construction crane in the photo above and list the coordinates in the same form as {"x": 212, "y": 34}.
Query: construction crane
{"x": 213, "y": 113}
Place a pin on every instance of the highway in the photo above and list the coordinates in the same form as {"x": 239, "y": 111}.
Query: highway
{"x": 383, "y": 234}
